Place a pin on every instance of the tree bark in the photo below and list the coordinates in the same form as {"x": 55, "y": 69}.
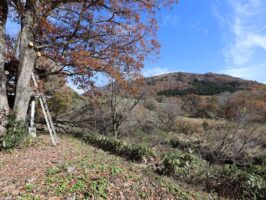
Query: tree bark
{"x": 27, "y": 61}
{"x": 3, "y": 96}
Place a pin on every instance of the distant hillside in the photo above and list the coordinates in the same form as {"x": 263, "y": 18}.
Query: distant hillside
{"x": 179, "y": 84}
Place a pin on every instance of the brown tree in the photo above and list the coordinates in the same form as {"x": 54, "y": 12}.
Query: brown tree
{"x": 78, "y": 38}
{"x": 3, "y": 96}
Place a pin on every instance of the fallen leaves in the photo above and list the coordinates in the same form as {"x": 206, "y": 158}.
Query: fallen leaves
{"x": 75, "y": 169}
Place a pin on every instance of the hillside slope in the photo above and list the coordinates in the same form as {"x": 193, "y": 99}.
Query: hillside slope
{"x": 75, "y": 170}
{"x": 180, "y": 83}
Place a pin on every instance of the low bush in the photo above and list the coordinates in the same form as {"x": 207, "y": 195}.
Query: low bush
{"x": 16, "y": 133}
{"x": 161, "y": 99}
{"x": 130, "y": 151}
{"x": 182, "y": 165}
{"x": 150, "y": 104}
{"x": 148, "y": 126}
{"x": 186, "y": 128}
{"x": 233, "y": 141}
{"x": 183, "y": 145}
{"x": 167, "y": 115}
{"x": 231, "y": 181}
{"x": 227, "y": 180}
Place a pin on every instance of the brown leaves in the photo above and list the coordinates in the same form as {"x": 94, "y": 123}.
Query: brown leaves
{"x": 112, "y": 37}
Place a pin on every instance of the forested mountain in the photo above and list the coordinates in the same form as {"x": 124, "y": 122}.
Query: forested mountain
{"x": 180, "y": 83}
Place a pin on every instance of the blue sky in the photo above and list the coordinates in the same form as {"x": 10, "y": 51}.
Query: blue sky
{"x": 221, "y": 36}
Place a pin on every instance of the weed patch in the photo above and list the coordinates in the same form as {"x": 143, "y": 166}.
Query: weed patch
{"x": 130, "y": 151}
{"x": 16, "y": 133}
{"x": 231, "y": 181}
{"x": 183, "y": 165}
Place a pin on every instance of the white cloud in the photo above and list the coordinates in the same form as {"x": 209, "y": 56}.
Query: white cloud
{"x": 244, "y": 28}
{"x": 247, "y": 21}
{"x": 154, "y": 71}
{"x": 252, "y": 73}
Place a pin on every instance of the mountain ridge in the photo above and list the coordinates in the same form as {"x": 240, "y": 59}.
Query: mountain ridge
{"x": 189, "y": 82}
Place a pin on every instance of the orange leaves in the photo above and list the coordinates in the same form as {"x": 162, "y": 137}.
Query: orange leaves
{"x": 84, "y": 37}
{"x": 83, "y": 60}
{"x": 46, "y": 26}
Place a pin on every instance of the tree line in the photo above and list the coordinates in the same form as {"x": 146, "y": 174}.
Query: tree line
{"x": 202, "y": 88}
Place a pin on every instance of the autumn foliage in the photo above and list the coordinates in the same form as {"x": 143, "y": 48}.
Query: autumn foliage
{"x": 84, "y": 37}
{"x": 78, "y": 39}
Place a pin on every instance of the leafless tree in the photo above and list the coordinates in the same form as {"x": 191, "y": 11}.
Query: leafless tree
{"x": 229, "y": 141}
{"x": 120, "y": 104}
{"x": 167, "y": 114}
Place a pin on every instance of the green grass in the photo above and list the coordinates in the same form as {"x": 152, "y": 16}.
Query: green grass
{"x": 100, "y": 175}
{"x": 96, "y": 174}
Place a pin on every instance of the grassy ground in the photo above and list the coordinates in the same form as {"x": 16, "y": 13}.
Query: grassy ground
{"x": 76, "y": 170}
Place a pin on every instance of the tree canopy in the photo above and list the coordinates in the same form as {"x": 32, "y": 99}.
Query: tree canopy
{"x": 78, "y": 38}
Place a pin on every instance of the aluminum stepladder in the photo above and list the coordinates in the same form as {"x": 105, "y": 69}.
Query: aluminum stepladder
{"x": 46, "y": 112}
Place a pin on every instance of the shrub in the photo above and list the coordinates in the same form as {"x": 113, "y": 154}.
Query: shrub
{"x": 16, "y": 133}
{"x": 161, "y": 99}
{"x": 150, "y": 104}
{"x": 148, "y": 126}
{"x": 186, "y": 128}
{"x": 130, "y": 151}
{"x": 231, "y": 181}
{"x": 184, "y": 145}
{"x": 183, "y": 165}
{"x": 232, "y": 141}
{"x": 227, "y": 181}
{"x": 167, "y": 115}
{"x": 3, "y": 114}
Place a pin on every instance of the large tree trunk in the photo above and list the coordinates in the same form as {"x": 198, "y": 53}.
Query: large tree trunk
{"x": 3, "y": 96}
{"x": 26, "y": 64}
